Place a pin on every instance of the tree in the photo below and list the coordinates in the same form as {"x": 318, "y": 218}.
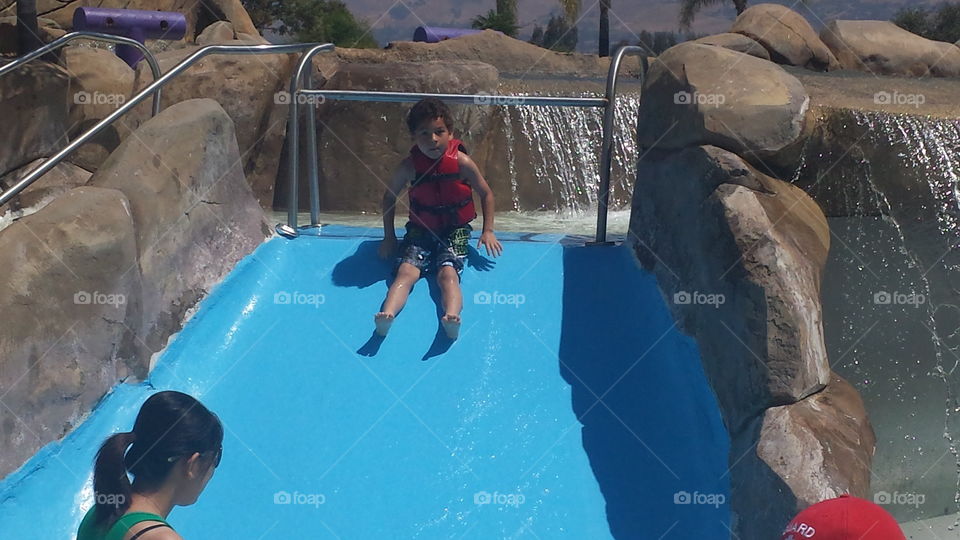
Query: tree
{"x": 28, "y": 32}
{"x": 912, "y": 19}
{"x": 323, "y": 21}
{"x": 646, "y": 41}
{"x": 690, "y": 8}
{"x": 604, "y": 28}
{"x": 503, "y": 19}
{"x": 943, "y": 24}
{"x": 559, "y": 36}
{"x": 537, "y": 37}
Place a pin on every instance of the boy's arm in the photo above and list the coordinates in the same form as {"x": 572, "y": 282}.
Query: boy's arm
{"x": 471, "y": 173}
{"x": 401, "y": 177}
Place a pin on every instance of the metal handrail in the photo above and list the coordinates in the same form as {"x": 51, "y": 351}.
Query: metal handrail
{"x": 93, "y": 36}
{"x": 606, "y": 148}
{"x": 52, "y": 162}
{"x": 290, "y": 229}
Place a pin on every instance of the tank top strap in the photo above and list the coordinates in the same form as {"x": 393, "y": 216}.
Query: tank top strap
{"x": 123, "y": 525}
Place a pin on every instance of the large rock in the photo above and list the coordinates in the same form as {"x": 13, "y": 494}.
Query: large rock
{"x": 355, "y": 166}
{"x": 883, "y": 48}
{"x": 821, "y": 446}
{"x": 703, "y": 95}
{"x": 786, "y": 35}
{"x": 104, "y": 83}
{"x": 195, "y": 216}
{"x": 70, "y": 297}
{"x": 247, "y": 88}
{"x": 62, "y": 178}
{"x": 217, "y": 33}
{"x": 35, "y": 98}
{"x": 736, "y": 42}
{"x": 199, "y": 14}
{"x": 739, "y": 256}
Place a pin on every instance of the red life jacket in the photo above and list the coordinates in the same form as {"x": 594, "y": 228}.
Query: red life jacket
{"x": 439, "y": 197}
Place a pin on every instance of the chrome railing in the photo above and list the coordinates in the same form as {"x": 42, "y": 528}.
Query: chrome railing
{"x": 302, "y": 75}
{"x": 92, "y": 36}
{"x": 155, "y": 86}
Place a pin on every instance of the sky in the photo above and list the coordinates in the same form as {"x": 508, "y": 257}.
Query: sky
{"x": 396, "y": 19}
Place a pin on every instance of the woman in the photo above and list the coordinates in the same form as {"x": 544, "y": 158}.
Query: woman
{"x": 173, "y": 448}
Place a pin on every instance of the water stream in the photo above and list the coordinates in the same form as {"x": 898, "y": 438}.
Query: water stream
{"x": 891, "y": 291}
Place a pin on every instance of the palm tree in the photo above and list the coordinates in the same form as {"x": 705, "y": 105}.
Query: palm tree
{"x": 28, "y": 32}
{"x": 689, "y": 9}
{"x": 604, "y": 28}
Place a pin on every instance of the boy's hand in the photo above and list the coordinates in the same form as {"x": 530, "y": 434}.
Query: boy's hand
{"x": 489, "y": 241}
{"x": 388, "y": 248}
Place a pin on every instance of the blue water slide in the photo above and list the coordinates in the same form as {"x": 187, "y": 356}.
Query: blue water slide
{"x": 571, "y": 406}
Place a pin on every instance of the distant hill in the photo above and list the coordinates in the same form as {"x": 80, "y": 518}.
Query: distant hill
{"x": 396, "y": 20}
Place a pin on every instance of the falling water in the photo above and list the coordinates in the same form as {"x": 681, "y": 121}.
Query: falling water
{"x": 558, "y": 150}
{"x": 891, "y": 290}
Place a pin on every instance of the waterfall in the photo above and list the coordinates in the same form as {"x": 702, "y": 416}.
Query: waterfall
{"x": 891, "y": 291}
{"x": 554, "y": 153}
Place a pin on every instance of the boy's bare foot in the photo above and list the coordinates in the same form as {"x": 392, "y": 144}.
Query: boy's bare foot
{"x": 383, "y": 321}
{"x": 451, "y": 325}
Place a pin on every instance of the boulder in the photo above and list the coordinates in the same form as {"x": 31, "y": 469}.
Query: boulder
{"x": 218, "y": 32}
{"x": 883, "y": 48}
{"x": 104, "y": 83}
{"x": 760, "y": 243}
{"x": 736, "y": 42}
{"x": 821, "y": 446}
{"x": 699, "y": 94}
{"x": 378, "y": 131}
{"x": 198, "y": 14}
{"x": 70, "y": 301}
{"x": 786, "y": 35}
{"x": 62, "y": 178}
{"x": 194, "y": 214}
{"x": 247, "y": 87}
{"x": 36, "y": 99}
{"x": 738, "y": 256}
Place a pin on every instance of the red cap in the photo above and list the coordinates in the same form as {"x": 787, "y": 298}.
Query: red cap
{"x": 843, "y": 518}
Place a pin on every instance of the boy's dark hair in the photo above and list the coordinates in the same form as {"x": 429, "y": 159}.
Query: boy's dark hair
{"x": 428, "y": 109}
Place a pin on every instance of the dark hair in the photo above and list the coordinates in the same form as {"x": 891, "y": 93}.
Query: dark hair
{"x": 428, "y": 109}
{"x": 169, "y": 425}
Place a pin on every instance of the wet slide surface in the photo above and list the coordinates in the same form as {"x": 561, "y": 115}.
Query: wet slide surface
{"x": 571, "y": 406}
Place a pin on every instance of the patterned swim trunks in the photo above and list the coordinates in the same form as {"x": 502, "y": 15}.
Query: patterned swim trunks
{"x": 429, "y": 252}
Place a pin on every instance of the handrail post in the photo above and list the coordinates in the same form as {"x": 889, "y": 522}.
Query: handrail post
{"x": 312, "y": 164}
{"x": 293, "y": 141}
{"x": 606, "y": 147}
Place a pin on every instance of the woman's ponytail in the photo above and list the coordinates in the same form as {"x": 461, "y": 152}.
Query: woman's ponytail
{"x": 111, "y": 485}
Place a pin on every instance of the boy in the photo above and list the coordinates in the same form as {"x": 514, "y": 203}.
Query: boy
{"x": 442, "y": 179}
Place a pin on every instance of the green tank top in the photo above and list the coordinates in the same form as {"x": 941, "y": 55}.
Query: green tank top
{"x": 89, "y": 531}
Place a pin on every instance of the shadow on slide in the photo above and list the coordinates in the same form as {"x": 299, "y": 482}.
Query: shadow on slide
{"x": 651, "y": 425}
